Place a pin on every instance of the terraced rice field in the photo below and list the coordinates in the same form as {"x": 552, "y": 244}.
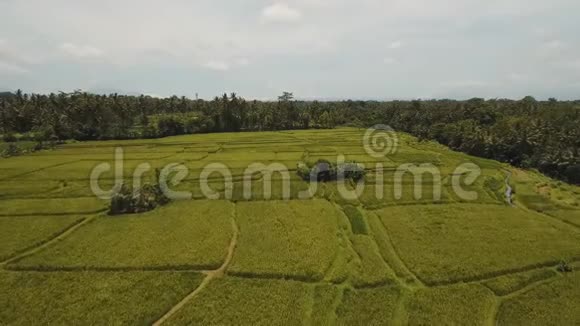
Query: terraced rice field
{"x": 385, "y": 257}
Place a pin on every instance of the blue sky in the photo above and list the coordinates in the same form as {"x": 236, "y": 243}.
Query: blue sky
{"x": 326, "y": 49}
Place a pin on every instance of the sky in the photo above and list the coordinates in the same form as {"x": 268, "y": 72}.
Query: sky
{"x": 317, "y": 49}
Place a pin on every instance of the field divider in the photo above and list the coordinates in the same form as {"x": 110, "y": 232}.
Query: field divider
{"x": 397, "y": 255}
{"x": 400, "y": 315}
{"x": 500, "y": 299}
{"x": 37, "y": 170}
{"x": 41, "y": 242}
{"x": 491, "y": 275}
{"x": 56, "y": 238}
{"x": 128, "y": 269}
{"x": 336, "y": 304}
{"x": 210, "y": 275}
{"x": 102, "y": 210}
{"x": 376, "y": 207}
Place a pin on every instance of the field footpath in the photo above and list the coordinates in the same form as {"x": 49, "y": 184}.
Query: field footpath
{"x": 210, "y": 275}
{"x": 500, "y": 299}
{"x": 58, "y": 237}
{"x": 37, "y": 170}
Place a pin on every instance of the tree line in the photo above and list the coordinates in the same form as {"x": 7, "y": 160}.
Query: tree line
{"x": 526, "y": 133}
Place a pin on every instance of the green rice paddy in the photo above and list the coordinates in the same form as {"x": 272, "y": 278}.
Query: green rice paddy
{"x": 267, "y": 260}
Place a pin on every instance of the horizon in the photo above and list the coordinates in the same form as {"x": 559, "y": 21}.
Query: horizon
{"x": 296, "y": 98}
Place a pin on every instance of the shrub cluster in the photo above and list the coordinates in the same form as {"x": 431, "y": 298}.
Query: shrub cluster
{"x": 323, "y": 171}
{"x": 11, "y": 150}
{"x": 128, "y": 201}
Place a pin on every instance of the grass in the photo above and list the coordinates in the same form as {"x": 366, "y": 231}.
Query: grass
{"x": 180, "y": 235}
{"x": 456, "y": 305}
{"x": 91, "y": 298}
{"x": 236, "y": 301}
{"x": 552, "y": 303}
{"x": 449, "y": 243}
{"x": 510, "y": 283}
{"x": 296, "y": 239}
{"x": 20, "y": 233}
{"x": 368, "y": 307}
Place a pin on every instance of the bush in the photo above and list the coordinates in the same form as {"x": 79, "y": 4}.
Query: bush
{"x": 564, "y": 267}
{"x": 9, "y": 137}
{"x": 325, "y": 171}
{"x": 12, "y": 150}
{"x": 128, "y": 201}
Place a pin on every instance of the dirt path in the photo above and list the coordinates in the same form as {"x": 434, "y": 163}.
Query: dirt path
{"x": 210, "y": 275}
{"x": 508, "y": 190}
{"x": 57, "y": 238}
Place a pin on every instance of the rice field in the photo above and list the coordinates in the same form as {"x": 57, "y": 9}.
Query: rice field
{"x": 408, "y": 249}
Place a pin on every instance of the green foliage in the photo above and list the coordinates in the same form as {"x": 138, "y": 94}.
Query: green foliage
{"x": 9, "y": 138}
{"x": 91, "y": 297}
{"x": 564, "y": 267}
{"x": 323, "y": 170}
{"x": 12, "y": 150}
{"x": 129, "y": 201}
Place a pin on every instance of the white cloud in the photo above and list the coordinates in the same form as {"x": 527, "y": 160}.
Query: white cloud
{"x": 389, "y": 60}
{"x": 395, "y": 45}
{"x": 281, "y": 13}
{"x": 217, "y": 65}
{"x": 12, "y": 61}
{"x": 81, "y": 51}
{"x": 242, "y": 61}
{"x": 517, "y": 77}
{"x": 11, "y": 68}
{"x": 464, "y": 84}
{"x": 554, "y": 44}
